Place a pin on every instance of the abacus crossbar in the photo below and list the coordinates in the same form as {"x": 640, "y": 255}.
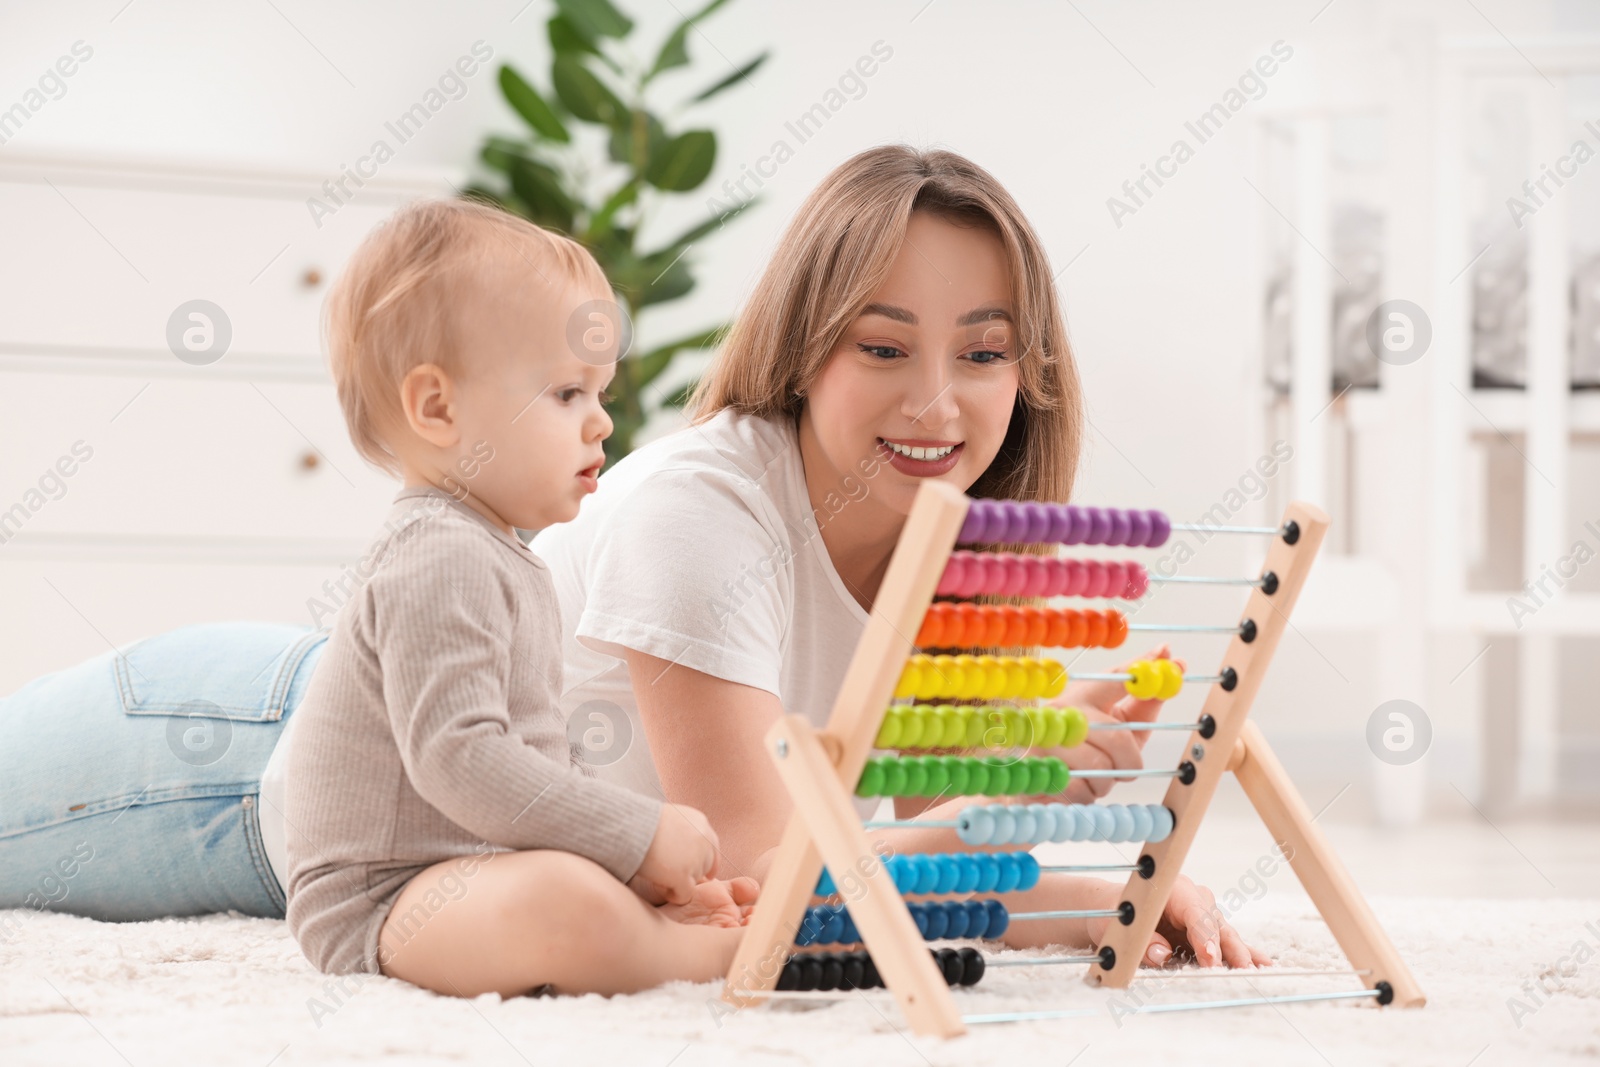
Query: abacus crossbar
{"x": 1150, "y": 1009}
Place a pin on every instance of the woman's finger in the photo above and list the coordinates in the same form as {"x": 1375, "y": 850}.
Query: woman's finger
{"x": 1158, "y": 952}
{"x": 1235, "y": 953}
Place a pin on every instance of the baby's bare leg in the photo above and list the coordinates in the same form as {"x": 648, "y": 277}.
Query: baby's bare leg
{"x": 524, "y": 919}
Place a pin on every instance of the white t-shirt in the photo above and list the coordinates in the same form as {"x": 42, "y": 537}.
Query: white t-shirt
{"x": 699, "y": 548}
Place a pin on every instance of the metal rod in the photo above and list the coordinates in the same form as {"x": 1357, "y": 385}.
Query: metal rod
{"x": 1200, "y": 1005}
{"x": 1200, "y": 579}
{"x": 1124, "y": 677}
{"x": 1144, "y": 726}
{"x": 1185, "y": 629}
{"x": 1076, "y": 868}
{"x": 991, "y": 961}
{"x": 1112, "y": 772}
{"x": 1201, "y": 527}
{"x": 1102, "y": 913}
{"x": 1156, "y": 975}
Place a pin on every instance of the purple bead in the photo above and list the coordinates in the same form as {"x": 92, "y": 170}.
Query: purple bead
{"x": 1059, "y": 523}
{"x": 1120, "y": 527}
{"x": 1099, "y": 526}
{"x": 1016, "y": 521}
{"x": 972, "y": 530}
{"x": 1078, "y": 527}
{"x": 1038, "y": 522}
{"x": 1160, "y": 529}
{"x": 1138, "y": 528}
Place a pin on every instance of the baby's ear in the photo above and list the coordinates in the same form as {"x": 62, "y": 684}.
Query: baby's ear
{"x": 428, "y": 404}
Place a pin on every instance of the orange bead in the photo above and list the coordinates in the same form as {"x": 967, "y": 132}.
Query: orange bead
{"x": 1038, "y": 626}
{"x": 1016, "y": 626}
{"x": 993, "y": 628}
{"x": 1116, "y": 629}
{"x": 1096, "y": 635}
{"x": 1077, "y": 627}
{"x": 1057, "y": 629}
{"x": 932, "y": 633}
{"x": 968, "y": 625}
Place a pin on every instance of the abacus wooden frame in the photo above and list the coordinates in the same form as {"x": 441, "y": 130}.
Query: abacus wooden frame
{"x": 821, "y": 767}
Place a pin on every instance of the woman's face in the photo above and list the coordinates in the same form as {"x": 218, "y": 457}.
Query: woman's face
{"x": 924, "y": 380}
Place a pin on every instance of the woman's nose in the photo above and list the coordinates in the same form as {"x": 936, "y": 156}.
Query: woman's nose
{"x": 932, "y": 402}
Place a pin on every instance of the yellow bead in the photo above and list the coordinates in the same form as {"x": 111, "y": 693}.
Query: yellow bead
{"x": 1171, "y": 679}
{"x": 994, "y": 678}
{"x": 1146, "y": 680}
{"x": 941, "y": 677}
{"x": 1055, "y": 678}
{"x": 1037, "y": 680}
{"x": 910, "y": 681}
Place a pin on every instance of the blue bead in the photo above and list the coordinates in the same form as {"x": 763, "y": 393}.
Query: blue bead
{"x": 1162, "y": 817}
{"x": 919, "y": 915}
{"x": 938, "y": 921}
{"x": 1005, "y": 826}
{"x": 1027, "y": 825}
{"x": 1104, "y": 823}
{"x": 1044, "y": 823}
{"x": 1143, "y": 823}
{"x": 949, "y": 874}
{"x": 834, "y": 927}
{"x": 998, "y": 919}
{"x": 809, "y": 926}
{"x": 1066, "y": 823}
{"x": 1123, "y": 830}
{"x": 927, "y": 873}
{"x": 975, "y": 826}
{"x": 1027, "y": 871}
{"x": 970, "y": 873}
{"x": 988, "y": 873}
{"x": 977, "y": 918}
{"x": 825, "y": 884}
{"x": 1007, "y": 863}
{"x": 849, "y": 935}
{"x": 959, "y": 918}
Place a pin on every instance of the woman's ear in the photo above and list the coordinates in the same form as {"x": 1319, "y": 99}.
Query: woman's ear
{"x": 427, "y": 397}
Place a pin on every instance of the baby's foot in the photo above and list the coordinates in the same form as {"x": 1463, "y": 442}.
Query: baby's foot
{"x": 716, "y": 902}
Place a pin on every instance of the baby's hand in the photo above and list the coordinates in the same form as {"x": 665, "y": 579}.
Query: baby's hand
{"x": 682, "y": 854}
{"x": 716, "y": 902}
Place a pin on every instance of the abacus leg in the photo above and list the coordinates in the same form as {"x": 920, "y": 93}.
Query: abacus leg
{"x": 527, "y": 919}
{"x": 1317, "y": 866}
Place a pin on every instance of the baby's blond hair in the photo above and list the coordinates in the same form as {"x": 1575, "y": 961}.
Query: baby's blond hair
{"x": 399, "y": 302}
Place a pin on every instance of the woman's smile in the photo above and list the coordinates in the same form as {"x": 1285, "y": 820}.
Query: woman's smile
{"x": 921, "y": 458}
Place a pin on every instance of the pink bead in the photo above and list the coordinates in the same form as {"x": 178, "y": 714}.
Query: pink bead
{"x": 1075, "y": 577}
{"x": 1052, "y": 578}
{"x": 1016, "y": 575}
{"x": 1138, "y": 581}
{"x": 1038, "y": 576}
{"x": 1116, "y": 578}
{"x": 973, "y": 577}
{"x": 1095, "y": 583}
{"x": 955, "y": 570}
{"x": 994, "y": 572}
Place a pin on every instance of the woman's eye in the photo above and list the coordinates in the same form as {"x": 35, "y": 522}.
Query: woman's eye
{"x": 986, "y": 357}
{"x": 885, "y": 352}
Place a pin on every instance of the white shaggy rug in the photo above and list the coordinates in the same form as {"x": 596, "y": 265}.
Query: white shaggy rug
{"x": 229, "y": 990}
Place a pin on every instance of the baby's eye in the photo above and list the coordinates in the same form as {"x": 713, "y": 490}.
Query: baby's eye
{"x": 566, "y": 395}
{"x": 885, "y": 352}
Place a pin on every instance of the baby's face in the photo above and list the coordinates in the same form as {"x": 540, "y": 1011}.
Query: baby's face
{"x": 530, "y": 409}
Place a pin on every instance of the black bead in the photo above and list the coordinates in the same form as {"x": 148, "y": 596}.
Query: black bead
{"x": 972, "y": 966}
{"x": 810, "y": 973}
{"x": 872, "y": 979}
{"x": 950, "y": 965}
{"x": 789, "y": 977}
{"x": 832, "y": 972}
{"x": 855, "y": 971}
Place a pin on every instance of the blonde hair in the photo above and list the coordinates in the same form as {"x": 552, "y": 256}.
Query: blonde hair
{"x": 836, "y": 254}
{"x": 399, "y": 302}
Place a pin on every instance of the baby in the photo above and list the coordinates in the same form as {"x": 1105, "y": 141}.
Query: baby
{"x": 442, "y": 829}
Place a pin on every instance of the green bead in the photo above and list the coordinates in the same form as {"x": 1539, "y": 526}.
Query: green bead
{"x": 1039, "y": 720}
{"x": 999, "y": 776}
{"x": 916, "y": 776}
{"x": 977, "y": 778}
{"x": 972, "y": 727}
{"x": 1039, "y": 780}
{"x": 958, "y": 773}
{"x": 894, "y": 777}
{"x": 871, "y": 783}
{"x": 954, "y": 728}
{"x": 1076, "y": 726}
{"x": 1060, "y": 775}
{"x": 938, "y": 777}
{"x": 889, "y": 732}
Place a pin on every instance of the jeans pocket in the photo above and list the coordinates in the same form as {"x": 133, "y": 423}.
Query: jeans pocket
{"x": 241, "y": 671}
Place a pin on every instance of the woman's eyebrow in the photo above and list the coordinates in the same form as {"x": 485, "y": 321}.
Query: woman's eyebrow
{"x": 971, "y": 318}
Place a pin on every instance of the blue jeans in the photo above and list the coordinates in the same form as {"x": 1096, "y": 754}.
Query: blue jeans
{"x": 129, "y": 783}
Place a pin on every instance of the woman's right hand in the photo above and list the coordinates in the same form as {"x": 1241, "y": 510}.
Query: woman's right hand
{"x": 682, "y": 854}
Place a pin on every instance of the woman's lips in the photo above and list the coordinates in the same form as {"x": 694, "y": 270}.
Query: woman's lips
{"x": 922, "y": 468}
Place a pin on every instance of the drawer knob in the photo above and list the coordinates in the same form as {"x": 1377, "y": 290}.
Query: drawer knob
{"x": 311, "y": 278}
{"x": 309, "y": 461}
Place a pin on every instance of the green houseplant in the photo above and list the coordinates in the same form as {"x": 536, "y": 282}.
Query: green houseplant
{"x": 597, "y": 157}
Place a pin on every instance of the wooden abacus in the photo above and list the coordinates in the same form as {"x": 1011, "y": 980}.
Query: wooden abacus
{"x": 823, "y": 768}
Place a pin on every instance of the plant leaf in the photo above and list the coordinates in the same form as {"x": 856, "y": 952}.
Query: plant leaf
{"x": 711, "y": 225}
{"x": 595, "y": 18}
{"x": 600, "y": 222}
{"x": 652, "y": 363}
{"x": 669, "y": 284}
{"x": 502, "y": 153}
{"x": 622, "y": 145}
{"x": 539, "y": 187}
{"x": 737, "y": 76}
{"x": 585, "y": 95}
{"x": 684, "y": 162}
{"x": 566, "y": 37}
{"x": 680, "y": 395}
{"x": 527, "y": 102}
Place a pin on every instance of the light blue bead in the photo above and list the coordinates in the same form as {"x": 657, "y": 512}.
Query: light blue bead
{"x": 1123, "y": 831}
{"x": 1044, "y": 822}
{"x": 1005, "y": 827}
{"x": 1066, "y": 824}
{"x": 1105, "y": 823}
{"x": 1142, "y": 822}
{"x": 975, "y": 826}
{"x": 1027, "y": 825}
{"x": 1162, "y": 816}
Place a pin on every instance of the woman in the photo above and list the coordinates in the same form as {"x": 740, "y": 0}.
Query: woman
{"x": 907, "y": 328}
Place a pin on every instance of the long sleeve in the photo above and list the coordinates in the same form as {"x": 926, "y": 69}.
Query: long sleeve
{"x": 443, "y": 624}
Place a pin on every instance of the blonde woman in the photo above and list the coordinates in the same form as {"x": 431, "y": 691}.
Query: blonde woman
{"x": 907, "y": 328}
